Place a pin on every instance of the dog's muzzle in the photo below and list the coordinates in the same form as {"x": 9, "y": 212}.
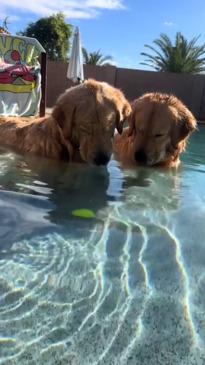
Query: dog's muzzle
{"x": 101, "y": 159}
{"x": 140, "y": 156}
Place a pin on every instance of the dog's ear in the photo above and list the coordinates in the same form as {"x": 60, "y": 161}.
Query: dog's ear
{"x": 59, "y": 115}
{"x": 131, "y": 120}
{"x": 65, "y": 121}
{"x": 132, "y": 128}
{"x": 183, "y": 127}
{"x": 123, "y": 117}
{"x": 119, "y": 122}
{"x": 64, "y": 118}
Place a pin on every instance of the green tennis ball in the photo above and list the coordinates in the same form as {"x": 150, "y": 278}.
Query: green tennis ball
{"x": 83, "y": 213}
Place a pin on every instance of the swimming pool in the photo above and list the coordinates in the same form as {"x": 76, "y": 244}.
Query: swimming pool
{"x": 126, "y": 287}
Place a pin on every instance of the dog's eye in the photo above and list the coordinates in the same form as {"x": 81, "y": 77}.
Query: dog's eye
{"x": 159, "y": 135}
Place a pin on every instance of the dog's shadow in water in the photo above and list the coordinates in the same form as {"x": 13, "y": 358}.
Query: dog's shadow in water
{"x": 40, "y": 195}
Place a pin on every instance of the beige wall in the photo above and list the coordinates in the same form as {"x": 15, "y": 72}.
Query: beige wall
{"x": 189, "y": 88}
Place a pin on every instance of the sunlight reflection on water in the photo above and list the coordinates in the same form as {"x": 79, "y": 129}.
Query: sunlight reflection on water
{"x": 126, "y": 287}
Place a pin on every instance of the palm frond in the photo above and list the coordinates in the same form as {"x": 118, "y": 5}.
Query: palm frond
{"x": 96, "y": 58}
{"x": 182, "y": 56}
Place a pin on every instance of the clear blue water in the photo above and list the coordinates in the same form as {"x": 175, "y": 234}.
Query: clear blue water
{"x": 127, "y": 287}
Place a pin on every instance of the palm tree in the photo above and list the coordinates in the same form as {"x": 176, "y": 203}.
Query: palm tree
{"x": 4, "y": 27}
{"x": 96, "y": 58}
{"x": 182, "y": 57}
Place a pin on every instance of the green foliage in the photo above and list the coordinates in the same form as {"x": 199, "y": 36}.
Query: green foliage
{"x": 54, "y": 35}
{"x": 181, "y": 57}
{"x": 96, "y": 58}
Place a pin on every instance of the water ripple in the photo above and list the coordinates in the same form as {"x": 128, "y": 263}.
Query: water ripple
{"x": 125, "y": 288}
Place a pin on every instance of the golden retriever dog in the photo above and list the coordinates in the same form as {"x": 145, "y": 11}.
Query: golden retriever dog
{"x": 160, "y": 125}
{"x": 80, "y": 128}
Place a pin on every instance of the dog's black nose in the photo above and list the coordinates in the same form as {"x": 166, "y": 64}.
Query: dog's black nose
{"x": 101, "y": 159}
{"x": 140, "y": 156}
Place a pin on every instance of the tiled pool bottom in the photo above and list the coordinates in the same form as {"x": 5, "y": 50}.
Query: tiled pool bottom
{"x": 127, "y": 287}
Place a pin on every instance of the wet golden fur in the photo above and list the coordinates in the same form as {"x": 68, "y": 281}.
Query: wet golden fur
{"x": 159, "y": 128}
{"x": 80, "y": 128}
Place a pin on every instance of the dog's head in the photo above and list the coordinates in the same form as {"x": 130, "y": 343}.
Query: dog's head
{"x": 160, "y": 126}
{"x": 87, "y": 116}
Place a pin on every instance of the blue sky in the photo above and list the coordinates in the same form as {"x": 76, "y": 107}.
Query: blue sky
{"x": 117, "y": 27}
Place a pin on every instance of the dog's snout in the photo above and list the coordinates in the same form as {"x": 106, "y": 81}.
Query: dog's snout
{"x": 140, "y": 156}
{"x": 101, "y": 159}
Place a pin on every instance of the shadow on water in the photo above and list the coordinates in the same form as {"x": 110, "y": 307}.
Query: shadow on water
{"x": 39, "y": 195}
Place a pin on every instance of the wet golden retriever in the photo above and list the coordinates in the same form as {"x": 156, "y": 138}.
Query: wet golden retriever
{"x": 80, "y": 128}
{"x": 159, "y": 128}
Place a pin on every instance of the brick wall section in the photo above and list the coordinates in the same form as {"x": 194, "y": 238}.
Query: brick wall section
{"x": 189, "y": 88}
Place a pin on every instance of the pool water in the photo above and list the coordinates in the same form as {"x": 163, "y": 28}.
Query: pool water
{"x": 125, "y": 287}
